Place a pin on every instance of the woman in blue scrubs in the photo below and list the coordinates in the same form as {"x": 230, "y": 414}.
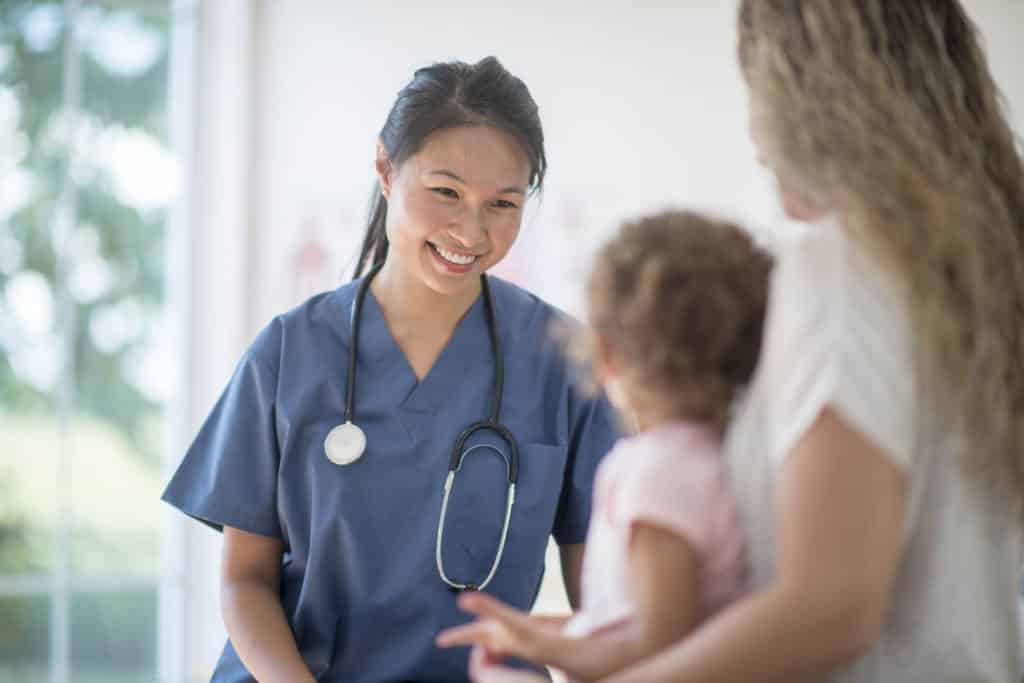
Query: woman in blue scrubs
{"x": 338, "y": 572}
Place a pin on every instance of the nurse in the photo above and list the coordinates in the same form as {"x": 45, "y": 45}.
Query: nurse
{"x": 354, "y": 499}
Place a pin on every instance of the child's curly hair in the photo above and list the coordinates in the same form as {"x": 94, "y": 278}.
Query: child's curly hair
{"x": 679, "y": 299}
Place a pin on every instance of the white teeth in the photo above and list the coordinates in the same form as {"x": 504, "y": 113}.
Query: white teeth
{"x": 457, "y": 259}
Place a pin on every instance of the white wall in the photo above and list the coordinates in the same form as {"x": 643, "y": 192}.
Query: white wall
{"x": 210, "y": 234}
{"x": 642, "y": 104}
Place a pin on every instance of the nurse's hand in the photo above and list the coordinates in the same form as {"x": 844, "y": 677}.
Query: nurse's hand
{"x": 484, "y": 668}
{"x": 504, "y": 631}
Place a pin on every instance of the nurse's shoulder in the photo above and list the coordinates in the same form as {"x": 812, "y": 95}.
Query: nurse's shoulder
{"x": 525, "y": 318}
{"x": 320, "y": 324}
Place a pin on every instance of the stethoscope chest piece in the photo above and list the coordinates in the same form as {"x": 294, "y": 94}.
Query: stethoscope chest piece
{"x": 345, "y": 444}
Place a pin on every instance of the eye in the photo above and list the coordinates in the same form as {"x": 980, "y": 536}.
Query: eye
{"x": 445, "y": 192}
{"x": 505, "y": 204}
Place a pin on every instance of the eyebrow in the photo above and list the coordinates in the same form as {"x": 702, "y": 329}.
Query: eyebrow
{"x": 449, "y": 174}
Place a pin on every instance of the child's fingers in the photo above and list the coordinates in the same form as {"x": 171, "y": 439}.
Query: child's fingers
{"x": 468, "y": 634}
{"x": 487, "y": 633}
{"x": 480, "y": 656}
{"x": 485, "y": 668}
{"x": 479, "y": 661}
{"x": 485, "y": 606}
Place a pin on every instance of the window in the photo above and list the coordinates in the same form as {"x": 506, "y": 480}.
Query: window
{"x": 86, "y": 181}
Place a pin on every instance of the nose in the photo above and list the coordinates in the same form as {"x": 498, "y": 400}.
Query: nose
{"x": 469, "y": 229}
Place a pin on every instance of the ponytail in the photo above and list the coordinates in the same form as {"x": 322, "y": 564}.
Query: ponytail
{"x": 375, "y": 242}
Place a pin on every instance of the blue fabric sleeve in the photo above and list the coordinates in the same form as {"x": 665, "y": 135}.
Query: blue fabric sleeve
{"x": 228, "y": 477}
{"x": 593, "y": 430}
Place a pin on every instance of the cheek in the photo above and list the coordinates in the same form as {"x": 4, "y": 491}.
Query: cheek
{"x": 798, "y": 207}
{"x": 792, "y": 205}
{"x": 416, "y": 218}
{"x": 504, "y": 233}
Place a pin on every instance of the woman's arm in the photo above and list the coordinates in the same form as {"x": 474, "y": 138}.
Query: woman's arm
{"x": 664, "y": 575}
{"x": 251, "y": 606}
{"x": 841, "y": 513}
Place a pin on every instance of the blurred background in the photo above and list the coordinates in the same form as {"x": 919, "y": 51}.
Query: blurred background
{"x": 173, "y": 173}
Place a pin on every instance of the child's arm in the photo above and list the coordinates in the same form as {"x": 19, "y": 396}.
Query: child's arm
{"x": 840, "y": 547}
{"x": 664, "y": 577}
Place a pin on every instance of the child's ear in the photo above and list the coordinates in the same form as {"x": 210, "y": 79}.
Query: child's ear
{"x": 607, "y": 364}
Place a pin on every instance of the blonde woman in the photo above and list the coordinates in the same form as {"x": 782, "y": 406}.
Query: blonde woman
{"x": 877, "y": 456}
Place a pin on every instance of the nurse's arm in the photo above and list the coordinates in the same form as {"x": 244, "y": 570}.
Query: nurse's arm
{"x": 840, "y": 512}
{"x": 252, "y": 610}
{"x": 572, "y": 571}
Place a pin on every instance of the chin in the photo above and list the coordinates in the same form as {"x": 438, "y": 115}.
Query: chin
{"x": 453, "y": 286}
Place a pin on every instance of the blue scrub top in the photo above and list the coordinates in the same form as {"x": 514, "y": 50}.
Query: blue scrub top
{"x": 359, "y": 581}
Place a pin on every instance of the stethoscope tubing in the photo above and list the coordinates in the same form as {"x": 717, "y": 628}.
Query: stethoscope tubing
{"x": 459, "y": 451}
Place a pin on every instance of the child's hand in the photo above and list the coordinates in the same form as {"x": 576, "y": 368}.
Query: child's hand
{"x": 483, "y": 668}
{"x": 502, "y": 630}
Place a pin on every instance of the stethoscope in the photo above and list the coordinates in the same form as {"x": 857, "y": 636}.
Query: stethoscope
{"x": 346, "y": 442}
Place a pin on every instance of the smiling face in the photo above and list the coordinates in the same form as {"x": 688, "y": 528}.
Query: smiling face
{"x": 454, "y": 207}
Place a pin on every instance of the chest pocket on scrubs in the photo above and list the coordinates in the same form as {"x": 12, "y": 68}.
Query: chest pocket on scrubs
{"x": 542, "y": 472}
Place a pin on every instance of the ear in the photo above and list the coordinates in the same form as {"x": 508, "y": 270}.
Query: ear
{"x": 385, "y": 171}
{"x": 606, "y": 361}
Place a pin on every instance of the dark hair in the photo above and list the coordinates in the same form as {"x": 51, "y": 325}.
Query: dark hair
{"x": 448, "y": 95}
{"x": 681, "y": 297}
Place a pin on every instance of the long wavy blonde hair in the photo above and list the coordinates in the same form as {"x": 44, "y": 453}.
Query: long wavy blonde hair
{"x": 885, "y": 112}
